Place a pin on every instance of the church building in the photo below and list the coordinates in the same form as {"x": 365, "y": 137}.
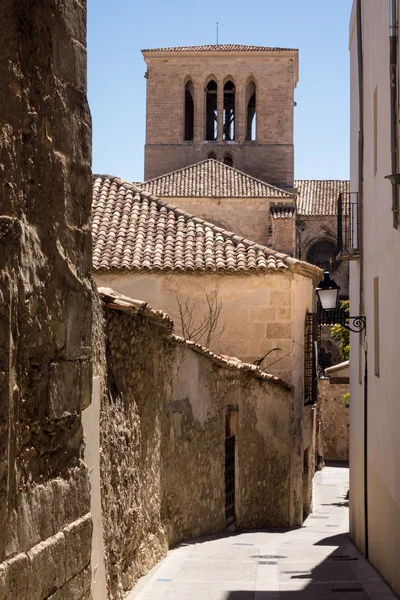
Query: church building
{"x": 235, "y": 104}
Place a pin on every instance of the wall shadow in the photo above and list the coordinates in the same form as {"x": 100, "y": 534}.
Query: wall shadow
{"x": 332, "y": 579}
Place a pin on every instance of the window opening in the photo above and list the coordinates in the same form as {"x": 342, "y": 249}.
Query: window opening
{"x": 212, "y": 155}
{"x": 323, "y": 255}
{"x": 189, "y": 111}
{"x": 211, "y": 111}
{"x": 229, "y": 112}
{"x": 228, "y": 160}
{"x": 251, "y": 116}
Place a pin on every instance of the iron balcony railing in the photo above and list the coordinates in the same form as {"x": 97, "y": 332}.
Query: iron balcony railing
{"x": 348, "y": 226}
{"x": 311, "y": 335}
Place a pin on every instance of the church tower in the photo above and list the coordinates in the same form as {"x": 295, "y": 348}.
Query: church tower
{"x": 230, "y": 102}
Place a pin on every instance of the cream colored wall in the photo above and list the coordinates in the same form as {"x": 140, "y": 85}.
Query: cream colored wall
{"x": 381, "y": 259}
{"x": 248, "y": 217}
{"x": 257, "y": 310}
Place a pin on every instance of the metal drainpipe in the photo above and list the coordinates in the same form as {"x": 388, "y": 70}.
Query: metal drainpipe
{"x": 361, "y": 244}
{"x": 392, "y": 9}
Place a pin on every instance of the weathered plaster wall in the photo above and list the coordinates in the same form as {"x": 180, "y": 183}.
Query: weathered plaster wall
{"x": 257, "y": 310}
{"x": 45, "y": 301}
{"x": 335, "y": 419}
{"x": 163, "y": 429}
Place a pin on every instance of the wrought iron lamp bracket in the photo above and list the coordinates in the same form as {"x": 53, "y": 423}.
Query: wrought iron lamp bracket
{"x": 340, "y": 317}
{"x": 359, "y": 324}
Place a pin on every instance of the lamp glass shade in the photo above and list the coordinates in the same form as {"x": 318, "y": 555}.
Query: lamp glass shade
{"x": 328, "y": 299}
{"x": 328, "y": 292}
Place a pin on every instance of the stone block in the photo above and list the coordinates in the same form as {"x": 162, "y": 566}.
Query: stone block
{"x": 69, "y": 388}
{"x": 77, "y": 325}
{"x": 71, "y": 497}
{"x": 2, "y": 581}
{"x": 280, "y": 299}
{"x": 78, "y": 544}
{"x": 34, "y": 516}
{"x": 279, "y": 330}
{"x": 74, "y": 17}
{"x": 17, "y": 575}
{"x": 47, "y": 561}
{"x": 260, "y": 314}
{"x": 77, "y": 588}
{"x": 267, "y": 345}
{"x": 258, "y": 331}
{"x": 283, "y": 313}
{"x": 64, "y": 389}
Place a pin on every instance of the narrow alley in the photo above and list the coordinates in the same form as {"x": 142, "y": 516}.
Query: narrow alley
{"x": 316, "y": 561}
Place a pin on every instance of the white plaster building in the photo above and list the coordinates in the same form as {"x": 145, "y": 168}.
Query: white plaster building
{"x": 375, "y": 292}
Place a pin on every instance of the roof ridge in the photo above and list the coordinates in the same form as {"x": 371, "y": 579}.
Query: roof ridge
{"x": 220, "y": 47}
{"x": 348, "y": 180}
{"x": 298, "y": 265}
{"x": 225, "y": 166}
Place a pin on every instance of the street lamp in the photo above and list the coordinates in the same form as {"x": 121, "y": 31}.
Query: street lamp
{"x": 329, "y": 312}
{"x": 328, "y": 292}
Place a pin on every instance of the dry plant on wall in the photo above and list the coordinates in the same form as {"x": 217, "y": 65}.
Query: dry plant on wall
{"x": 200, "y": 327}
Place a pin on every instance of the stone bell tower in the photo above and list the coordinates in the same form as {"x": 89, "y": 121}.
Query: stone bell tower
{"x": 229, "y": 102}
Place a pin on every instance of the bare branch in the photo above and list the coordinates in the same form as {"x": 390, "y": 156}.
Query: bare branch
{"x": 200, "y": 327}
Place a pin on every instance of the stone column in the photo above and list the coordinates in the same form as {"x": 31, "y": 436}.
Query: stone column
{"x": 45, "y": 300}
{"x": 220, "y": 108}
{"x": 199, "y": 111}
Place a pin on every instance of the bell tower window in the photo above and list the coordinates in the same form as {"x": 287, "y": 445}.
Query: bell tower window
{"x": 189, "y": 111}
{"x": 251, "y": 111}
{"x": 211, "y": 111}
{"x": 228, "y": 160}
{"x": 229, "y": 112}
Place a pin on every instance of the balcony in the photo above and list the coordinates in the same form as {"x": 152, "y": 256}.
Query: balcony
{"x": 348, "y": 226}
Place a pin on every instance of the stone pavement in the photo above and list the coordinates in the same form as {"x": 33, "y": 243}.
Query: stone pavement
{"x": 313, "y": 562}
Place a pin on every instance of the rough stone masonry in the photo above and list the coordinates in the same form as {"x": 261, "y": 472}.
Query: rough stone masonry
{"x": 45, "y": 300}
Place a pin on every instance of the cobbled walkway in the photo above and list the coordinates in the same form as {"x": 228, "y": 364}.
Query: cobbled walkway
{"x": 314, "y": 562}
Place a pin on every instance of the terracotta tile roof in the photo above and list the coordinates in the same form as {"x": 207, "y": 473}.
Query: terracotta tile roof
{"x": 221, "y": 48}
{"x": 318, "y": 197}
{"x": 283, "y": 212}
{"x": 133, "y": 230}
{"x": 211, "y": 179}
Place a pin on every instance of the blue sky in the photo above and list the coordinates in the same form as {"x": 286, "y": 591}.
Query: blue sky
{"x": 119, "y": 30}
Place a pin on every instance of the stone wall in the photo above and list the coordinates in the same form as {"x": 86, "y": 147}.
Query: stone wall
{"x": 166, "y": 406}
{"x": 335, "y": 419}
{"x": 45, "y": 301}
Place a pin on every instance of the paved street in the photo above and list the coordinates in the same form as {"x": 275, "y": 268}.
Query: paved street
{"x": 314, "y": 562}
